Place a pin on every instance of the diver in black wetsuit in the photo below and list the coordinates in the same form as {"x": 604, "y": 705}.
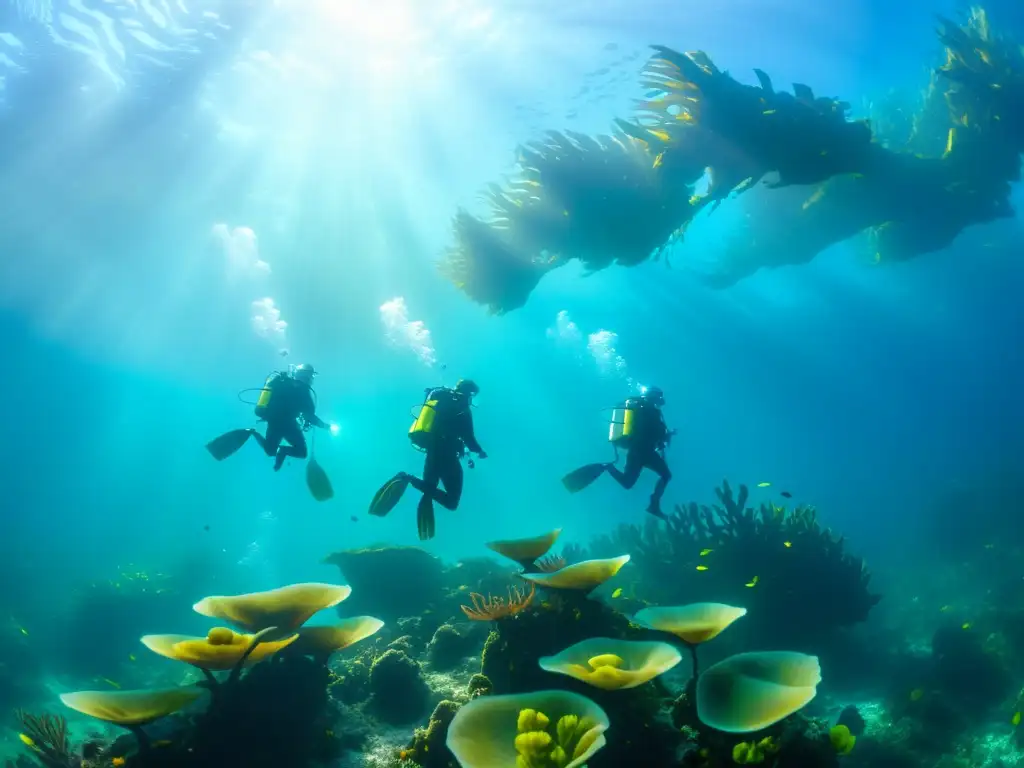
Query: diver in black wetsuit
{"x": 446, "y": 435}
{"x": 648, "y": 437}
{"x": 285, "y": 398}
{"x": 291, "y": 399}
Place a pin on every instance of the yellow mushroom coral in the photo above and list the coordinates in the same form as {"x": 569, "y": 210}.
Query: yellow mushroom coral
{"x": 751, "y": 691}
{"x": 131, "y": 709}
{"x": 221, "y": 650}
{"x": 552, "y": 727}
{"x": 693, "y": 624}
{"x": 584, "y": 576}
{"x": 321, "y": 642}
{"x": 613, "y": 664}
{"x": 525, "y": 551}
{"x": 286, "y": 608}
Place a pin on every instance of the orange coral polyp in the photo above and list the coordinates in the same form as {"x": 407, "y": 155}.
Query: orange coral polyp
{"x": 492, "y": 608}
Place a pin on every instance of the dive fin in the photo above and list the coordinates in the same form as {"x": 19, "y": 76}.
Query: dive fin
{"x": 425, "y": 518}
{"x": 388, "y": 496}
{"x": 580, "y": 478}
{"x": 225, "y": 445}
{"x": 318, "y": 482}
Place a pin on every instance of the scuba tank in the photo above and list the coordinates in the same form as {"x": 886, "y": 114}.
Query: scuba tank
{"x": 622, "y": 425}
{"x": 266, "y": 395}
{"x": 431, "y": 418}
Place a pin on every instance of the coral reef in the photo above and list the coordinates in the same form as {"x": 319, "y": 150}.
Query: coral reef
{"x": 390, "y": 582}
{"x": 398, "y": 693}
{"x": 448, "y": 647}
{"x": 758, "y": 558}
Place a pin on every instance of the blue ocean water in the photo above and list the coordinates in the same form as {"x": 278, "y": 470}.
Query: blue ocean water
{"x": 138, "y": 137}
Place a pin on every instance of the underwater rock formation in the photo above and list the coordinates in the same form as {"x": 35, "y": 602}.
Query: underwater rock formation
{"x": 398, "y": 693}
{"x": 623, "y": 198}
{"x": 390, "y": 582}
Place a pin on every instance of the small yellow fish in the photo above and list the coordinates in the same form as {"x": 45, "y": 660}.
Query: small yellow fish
{"x": 945, "y": 608}
{"x": 753, "y": 582}
{"x": 768, "y": 112}
{"x": 23, "y": 631}
{"x": 617, "y": 593}
{"x": 706, "y": 552}
{"x": 916, "y": 694}
{"x": 965, "y": 625}
{"x": 110, "y": 682}
{"x": 117, "y": 761}
{"x": 1015, "y": 720}
{"x": 131, "y": 657}
{"x": 702, "y": 567}
{"x": 763, "y": 485}
{"x": 787, "y": 544}
{"x": 26, "y": 740}
{"x": 658, "y": 160}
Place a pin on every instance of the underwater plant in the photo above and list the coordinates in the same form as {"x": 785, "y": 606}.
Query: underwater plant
{"x": 132, "y": 709}
{"x": 494, "y": 608}
{"x": 751, "y": 691}
{"x": 285, "y": 608}
{"x": 613, "y": 664}
{"x": 526, "y": 552}
{"x": 47, "y": 736}
{"x": 693, "y": 624}
{"x": 545, "y": 729}
{"x": 580, "y": 577}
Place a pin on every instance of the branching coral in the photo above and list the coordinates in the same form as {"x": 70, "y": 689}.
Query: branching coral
{"x": 492, "y": 608}
{"x": 47, "y": 737}
{"x": 759, "y": 558}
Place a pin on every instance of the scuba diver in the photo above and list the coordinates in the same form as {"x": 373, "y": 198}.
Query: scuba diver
{"x": 286, "y": 397}
{"x": 443, "y": 430}
{"x": 638, "y": 425}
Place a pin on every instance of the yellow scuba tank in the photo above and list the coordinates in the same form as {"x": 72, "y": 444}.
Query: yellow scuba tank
{"x": 263, "y": 402}
{"x": 620, "y": 430}
{"x": 431, "y": 420}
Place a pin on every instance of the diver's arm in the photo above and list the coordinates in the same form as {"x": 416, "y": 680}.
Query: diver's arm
{"x": 309, "y": 413}
{"x": 469, "y": 438}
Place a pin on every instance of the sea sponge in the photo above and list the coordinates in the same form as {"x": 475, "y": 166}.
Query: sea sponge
{"x": 479, "y": 685}
{"x": 750, "y": 691}
{"x": 321, "y": 642}
{"x": 221, "y": 649}
{"x": 613, "y": 664}
{"x": 448, "y": 647}
{"x": 428, "y": 745}
{"x": 398, "y": 692}
{"x": 286, "y": 608}
{"x": 842, "y": 740}
{"x": 751, "y": 753}
{"x": 544, "y": 728}
{"x": 525, "y": 551}
{"x": 583, "y": 577}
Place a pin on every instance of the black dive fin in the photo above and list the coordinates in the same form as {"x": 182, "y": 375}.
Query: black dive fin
{"x": 225, "y": 445}
{"x": 318, "y": 482}
{"x": 388, "y": 496}
{"x": 425, "y": 518}
{"x": 580, "y": 478}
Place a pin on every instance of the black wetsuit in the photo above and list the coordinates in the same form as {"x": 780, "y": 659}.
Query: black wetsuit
{"x": 443, "y": 463}
{"x": 289, "y": 400}
{"x": 646, "y": 451}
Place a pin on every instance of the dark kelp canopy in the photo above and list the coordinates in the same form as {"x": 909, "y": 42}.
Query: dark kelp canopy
{"x": 809, "y": 176}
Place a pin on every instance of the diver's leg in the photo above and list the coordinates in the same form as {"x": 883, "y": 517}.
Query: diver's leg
{"x": 452, "y": 476}
{"x": 428, "y": 487}
{"x": 431, "y": 475}
{"x": 297, "y": 444}
{"x": 627, "y": 478}
{"x": 272, "y": 441}
{"x": 658, "y": 464}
